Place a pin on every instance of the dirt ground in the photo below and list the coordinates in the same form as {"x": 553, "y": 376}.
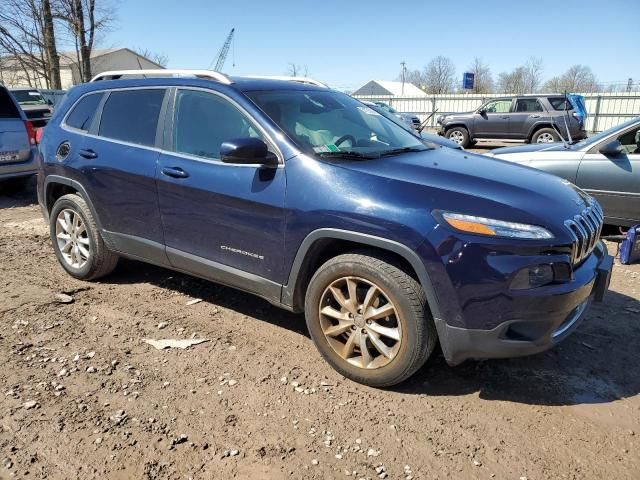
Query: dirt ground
{"x": 82, "y": 395}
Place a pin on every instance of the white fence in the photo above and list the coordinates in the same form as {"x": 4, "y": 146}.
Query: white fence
{"x": 604, "y": 109}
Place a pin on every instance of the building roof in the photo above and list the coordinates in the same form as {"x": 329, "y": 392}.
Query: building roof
{"x": 386, "y": 87}
{"x": 67, "y": 59}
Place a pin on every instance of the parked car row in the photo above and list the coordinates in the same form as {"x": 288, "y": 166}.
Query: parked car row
{"x": 535, "y": 119}
{"x": 320, "y": 204}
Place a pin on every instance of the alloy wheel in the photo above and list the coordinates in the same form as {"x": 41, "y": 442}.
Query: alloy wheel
{"x": 457, "y": 137}
{"x": 72, "y": 238}
{"x": 545, "y": 138}
{"x": 360, "y": 322}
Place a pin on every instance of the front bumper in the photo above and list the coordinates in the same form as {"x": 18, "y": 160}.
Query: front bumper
{"x": 555, "y": 318}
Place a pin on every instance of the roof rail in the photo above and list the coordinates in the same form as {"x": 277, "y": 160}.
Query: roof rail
{"x": 158, "y": 72}
{"x": 307, "y": 80}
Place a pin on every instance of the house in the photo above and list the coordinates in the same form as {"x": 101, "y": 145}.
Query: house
{"x": 390, "y": 89}
{"x": 13, "y": 75}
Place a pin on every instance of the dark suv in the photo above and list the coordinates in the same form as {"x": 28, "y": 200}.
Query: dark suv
{"x": 535, "y": 119}
{"x": 312, "y": 200}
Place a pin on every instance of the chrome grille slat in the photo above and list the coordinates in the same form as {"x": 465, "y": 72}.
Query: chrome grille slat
{"x": 585, "y": 229}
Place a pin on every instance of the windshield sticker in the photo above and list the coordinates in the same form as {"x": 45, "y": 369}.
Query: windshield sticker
{"x": 326, "y": 148}
{"x": 368, "y": 111}
{"x": 34, "y": 94}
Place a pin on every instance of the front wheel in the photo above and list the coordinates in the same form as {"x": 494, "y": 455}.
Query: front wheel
{"x": 459, "y": 135}
{"x": 368, "y": 319}
{"x": 77, "y": 241}
{"x": 545, "y": 135}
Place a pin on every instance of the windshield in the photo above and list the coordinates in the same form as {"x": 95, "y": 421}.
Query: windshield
{"x": 330, "y": 123}
{"x": 29, "y": 97}
{"x": 599, "y": 136}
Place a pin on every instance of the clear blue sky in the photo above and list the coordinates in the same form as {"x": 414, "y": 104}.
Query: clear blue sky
{"x": 348, "y": 43}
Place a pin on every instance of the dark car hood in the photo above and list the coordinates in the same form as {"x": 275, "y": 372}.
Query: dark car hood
{"x": 534, "y": 147}
{"x": 480, "y": 185}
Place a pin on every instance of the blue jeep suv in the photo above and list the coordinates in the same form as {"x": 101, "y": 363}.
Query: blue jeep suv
{"x": 310, "y": 199}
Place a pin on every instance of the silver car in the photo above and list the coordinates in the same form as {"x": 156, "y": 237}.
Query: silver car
{"x": 17, "y": 140}
{"x": 606, "y": 165}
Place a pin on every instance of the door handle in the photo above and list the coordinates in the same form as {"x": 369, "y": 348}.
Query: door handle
{"x": 88, "y": 153}
{"x": 505, "y": 117}
{"x": 535, "y": 116}
{"x": 174, "y": 172}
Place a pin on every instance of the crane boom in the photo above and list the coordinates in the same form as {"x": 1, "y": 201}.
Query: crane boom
{"x": 224, "y": 51}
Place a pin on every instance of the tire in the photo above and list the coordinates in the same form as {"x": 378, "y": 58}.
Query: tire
{"x": 397, "y": 291}
{"x": 459, "y": 135}
{"x": 545, "y": 135}
{"x": 99, "y": 261}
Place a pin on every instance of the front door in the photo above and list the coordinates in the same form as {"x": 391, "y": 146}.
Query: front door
{"x": 221, "y": 221}
{"x": 492, "y": 120}
{"x": 615, "y": 180}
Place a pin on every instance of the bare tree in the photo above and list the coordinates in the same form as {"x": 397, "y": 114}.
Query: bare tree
{"x": 85, "y": 20}
{"x": 416, "y": 77}
{"x": 526, "y": 78}
{"x": 295, "y": 70}
{"x": 533, "y": 71}
{"x": 579, "y": 78}
{"x": 160, "y": 58}
{"x": 27, "y": 38}
{"x": 439, "y": 75}
{"x": 483, "y": 79}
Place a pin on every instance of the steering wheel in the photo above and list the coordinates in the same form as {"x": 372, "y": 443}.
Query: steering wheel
{"x": 344, "y": 138}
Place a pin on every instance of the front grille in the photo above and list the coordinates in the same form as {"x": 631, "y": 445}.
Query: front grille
{"x": 585, "y": 230}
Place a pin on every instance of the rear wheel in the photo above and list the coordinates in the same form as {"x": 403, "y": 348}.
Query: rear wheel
{"x": 545, "y": 135}
{"x": 459, "y": 135}
{"x": 368, "y": 319}
{"x": 77, "y": 241}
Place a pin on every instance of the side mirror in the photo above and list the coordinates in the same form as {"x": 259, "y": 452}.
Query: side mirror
{"x": 482, "y": 112}
{"x": 612, "y": 149}
{"x": 247, "y": 151}
{"x": 49, "y": 102}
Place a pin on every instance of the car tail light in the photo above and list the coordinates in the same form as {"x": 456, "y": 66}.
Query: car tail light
{"x": 30, "y": 132}
{"x": 39, "y": 133}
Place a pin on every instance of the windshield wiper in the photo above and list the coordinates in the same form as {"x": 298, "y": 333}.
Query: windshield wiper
{"x": 348, "y": 154}
{"x": 396, "y": 151}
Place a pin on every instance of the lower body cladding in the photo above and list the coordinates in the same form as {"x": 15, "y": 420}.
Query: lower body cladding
{"x": 532, "y": 320}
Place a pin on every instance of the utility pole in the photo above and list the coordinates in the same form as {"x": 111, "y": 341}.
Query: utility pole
{"x": 404, "y": 69}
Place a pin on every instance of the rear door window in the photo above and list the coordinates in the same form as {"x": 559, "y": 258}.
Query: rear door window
{"x": 132, "y": 116}
{"x": 7, "y": 107}
{"x": 82, "y": 114}
{"x": 528, "y": 105}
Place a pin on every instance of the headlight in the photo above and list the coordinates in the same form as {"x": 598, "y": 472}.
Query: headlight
{"x": 440, "y": 119}
{"x": 492, "y": 227}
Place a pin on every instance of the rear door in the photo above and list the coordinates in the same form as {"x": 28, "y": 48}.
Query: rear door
{"x": 14, "y": 141}
{"x": 118, "y": 161}
{"x": 615, "y": 180}
{"x": 527, "y": 112}
{"x": 493, "y": 122}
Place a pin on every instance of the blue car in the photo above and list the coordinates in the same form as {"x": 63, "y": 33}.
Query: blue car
{"x": 317, "y": 203}
{"x": 17, "y": 141}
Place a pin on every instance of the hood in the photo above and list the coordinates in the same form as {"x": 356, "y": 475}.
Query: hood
{"x": 478, "y": 185}
{"x": 455, "y": 116}
{"x": 534, "y": 147}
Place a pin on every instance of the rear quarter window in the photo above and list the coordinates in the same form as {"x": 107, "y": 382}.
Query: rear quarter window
{"x": 132, "y": 116}
{"x": 82, "y": 114}
{"x": 7, "y": 106}
{"x": 560, "y": 103}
